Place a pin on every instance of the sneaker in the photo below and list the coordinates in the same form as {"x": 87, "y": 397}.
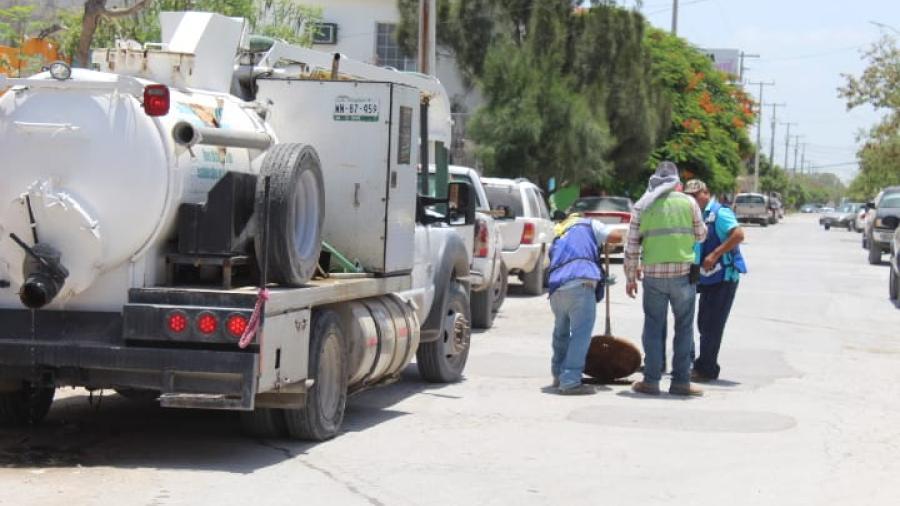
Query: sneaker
{"x": 685, "y": 389}
{"x": 642, "y": 387}
{"x": 579, "y": 390}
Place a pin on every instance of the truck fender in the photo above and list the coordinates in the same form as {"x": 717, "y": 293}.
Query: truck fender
{"x": 452, "y": 265}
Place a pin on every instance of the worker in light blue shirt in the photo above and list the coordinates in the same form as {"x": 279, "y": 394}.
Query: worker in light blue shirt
{"x": 721, "y": 266}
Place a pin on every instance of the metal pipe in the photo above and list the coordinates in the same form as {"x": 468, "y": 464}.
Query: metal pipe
{"x": 335, "y": 67}
{"x": 188, "y": 135}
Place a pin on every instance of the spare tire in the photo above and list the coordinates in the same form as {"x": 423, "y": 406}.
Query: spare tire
{"x": 296, "y": 213}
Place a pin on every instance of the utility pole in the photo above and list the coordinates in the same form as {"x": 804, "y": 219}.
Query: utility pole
{"x": 742, "y": 69}
{"x": 787, "y": 145}
{"x": 427, "y": 29}
{"x": 796, "y": 150}
{"x": 803, "y": 157}
{"x": 674, "y": 17}
{"x": 772, "y": 143}
{"x": 761, "y": 84}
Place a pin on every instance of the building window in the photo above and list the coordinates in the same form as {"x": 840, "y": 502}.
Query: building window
{"x": 387, "y": 52}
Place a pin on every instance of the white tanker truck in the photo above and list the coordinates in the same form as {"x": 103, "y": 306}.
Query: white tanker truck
{"x": 174, "y": 223}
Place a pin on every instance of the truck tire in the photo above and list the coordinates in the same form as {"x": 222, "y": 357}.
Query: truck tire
{"x": 482, "y": 308}
{"x": 320, "y": 419}
{"x": 26, "y": 406}
{"x": 894, "y": 285}
{"x": 265, "y": 423}
{"x": 827, "y": 226}
{"x": 534, "y": 281}
{"x": 444, "y": 360}
{"x": 296, "y": 212}
{"x": 874, "y": 253}
{"x": 500, "y": 286}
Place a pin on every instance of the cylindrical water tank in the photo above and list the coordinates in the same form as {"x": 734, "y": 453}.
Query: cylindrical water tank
{"x": 99, "y": 178}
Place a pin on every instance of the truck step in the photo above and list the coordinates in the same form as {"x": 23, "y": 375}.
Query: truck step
{"x": 205, "y": 401}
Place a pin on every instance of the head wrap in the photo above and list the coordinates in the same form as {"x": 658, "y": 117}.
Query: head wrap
{"x": 664, "y": 180}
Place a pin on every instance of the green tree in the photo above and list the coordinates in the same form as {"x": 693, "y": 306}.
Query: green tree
{"x": 878, "y": 87}
{"x": 535, "y": 123}
{"x": 631, "y": 86}
{"x": 613, "y": 68}
{"x": 15, "y": 22}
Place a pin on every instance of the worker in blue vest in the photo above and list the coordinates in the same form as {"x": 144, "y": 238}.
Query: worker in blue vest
{"x": 721, "y": 267}
{"x": 573, "y": 280}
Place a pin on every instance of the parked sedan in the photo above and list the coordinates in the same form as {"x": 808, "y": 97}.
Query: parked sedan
{"x": 844, "y": 217}
{"x": 615, "y": 212}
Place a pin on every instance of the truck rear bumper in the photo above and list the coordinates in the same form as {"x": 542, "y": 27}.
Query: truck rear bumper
{"x": 524, "y": 258}
{"x": 186, "y": 378}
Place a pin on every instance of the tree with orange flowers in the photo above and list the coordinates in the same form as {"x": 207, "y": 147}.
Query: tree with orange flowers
{"x": 708, "y": 131}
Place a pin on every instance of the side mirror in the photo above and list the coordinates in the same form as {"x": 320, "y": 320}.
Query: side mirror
{"x": 559, "y": 215}
{"x": 461, "y": 201}
{"x": 870, "y": 205}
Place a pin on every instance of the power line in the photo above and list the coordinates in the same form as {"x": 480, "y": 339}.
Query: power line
{"x": 816, "y": 55}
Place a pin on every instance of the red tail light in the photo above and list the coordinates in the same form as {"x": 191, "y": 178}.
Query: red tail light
{"x": 236, "y": 324}
{"x": 207, "y": 323}
{"x": 156, "y": 100}
{"x": 481, "y": 239}
{"x": 177, "y": 322}
{"x": 528, "y": 233}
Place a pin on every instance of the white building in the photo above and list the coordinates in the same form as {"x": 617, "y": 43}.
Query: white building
{"x": 364, "y": 30}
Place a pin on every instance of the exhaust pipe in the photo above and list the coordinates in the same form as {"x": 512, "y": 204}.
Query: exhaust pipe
{"x": 188, "y": 135}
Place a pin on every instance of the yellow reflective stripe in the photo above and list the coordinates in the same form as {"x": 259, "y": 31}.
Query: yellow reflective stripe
{"x": 668, "y": 231}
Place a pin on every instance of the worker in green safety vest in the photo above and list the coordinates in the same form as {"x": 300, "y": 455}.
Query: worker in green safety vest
{"x": 665, "y": 225}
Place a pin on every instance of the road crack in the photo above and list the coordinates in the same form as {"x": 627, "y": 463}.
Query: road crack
{"x": 288, "y": 453}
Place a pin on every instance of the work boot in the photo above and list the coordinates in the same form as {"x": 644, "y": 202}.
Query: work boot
{"x": 696, "y": 377}
{"x": 645, "y": 388}
{"x": 556, "y": 382}
{"x": 579, "y": 390}
{"x": 685, "y": 389}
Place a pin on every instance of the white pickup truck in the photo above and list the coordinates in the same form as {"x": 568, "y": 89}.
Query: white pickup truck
{"x": 488, "y": 270}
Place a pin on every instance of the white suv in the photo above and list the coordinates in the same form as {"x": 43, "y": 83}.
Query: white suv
{"x": 526, "y": 238}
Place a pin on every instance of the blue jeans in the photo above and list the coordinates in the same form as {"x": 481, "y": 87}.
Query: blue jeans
{"x": 712, "y": 314}
{"x": 659, "y": 293}
{"x": 575, "y": 310}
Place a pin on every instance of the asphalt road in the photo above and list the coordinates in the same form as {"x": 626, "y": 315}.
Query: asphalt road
{"x": 807, "y": 413}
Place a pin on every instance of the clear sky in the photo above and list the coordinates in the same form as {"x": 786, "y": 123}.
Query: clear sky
{"x": 804, "y": 46}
